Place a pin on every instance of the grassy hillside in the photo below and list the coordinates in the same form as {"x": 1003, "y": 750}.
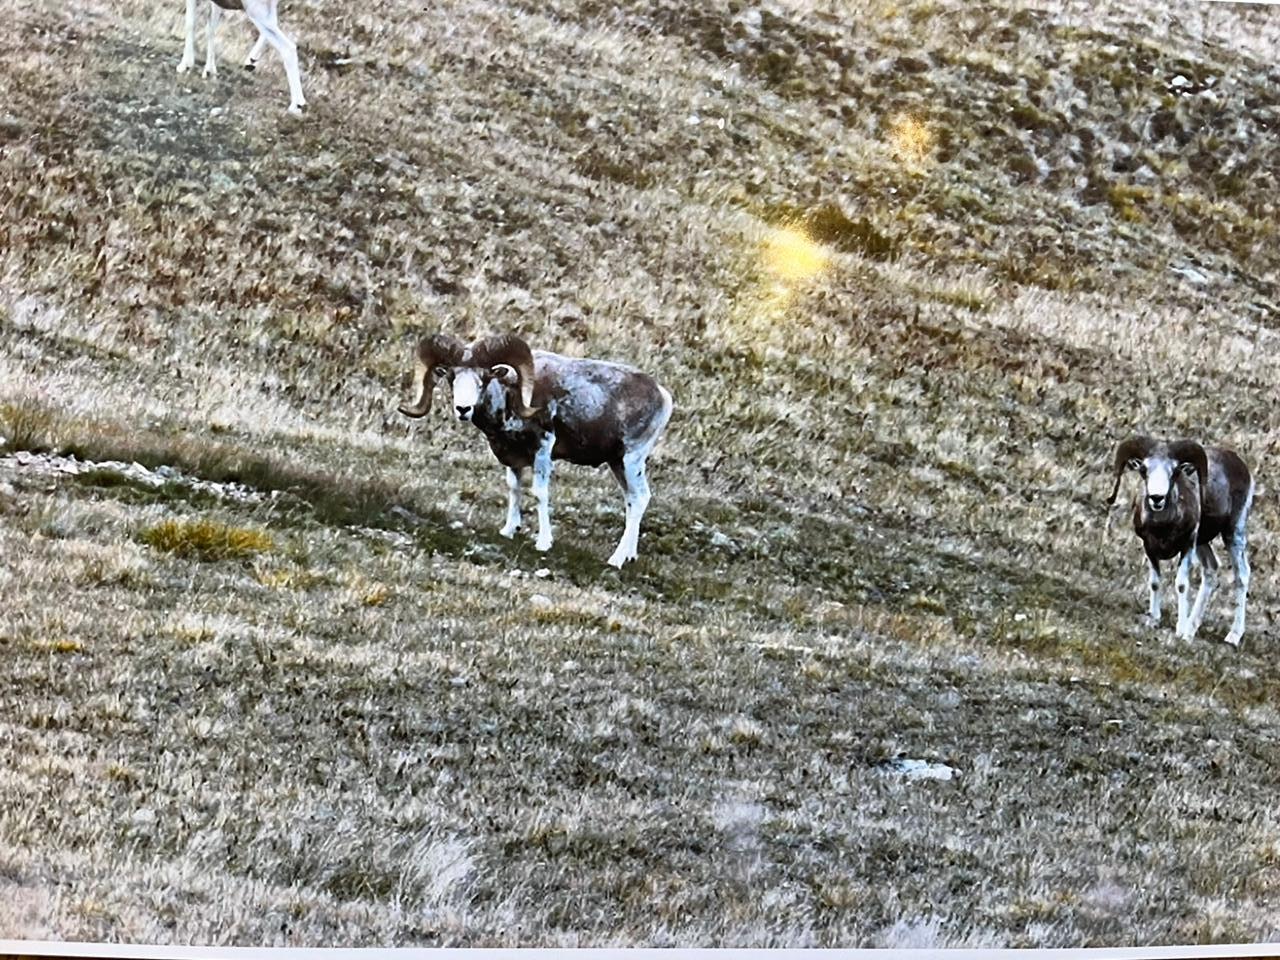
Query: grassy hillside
{"x": 910, "y": 269}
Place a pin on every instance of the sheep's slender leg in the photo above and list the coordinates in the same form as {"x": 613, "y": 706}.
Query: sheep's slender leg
{"x": 1153, "y": 608}
{"x": 1240, "y": 563}
{"x": 635, "y": 486}
{"x": 1208, "y": 580}
{"x": 210, "y": 57}
{"x": 513, "y": 504}
{"x": 1185, "y": 629}
{"x": 263, "y": 15}
{"x": 189, "y": 48}
{"x": 259, "y": 47}
{"x": 542, "y": 491}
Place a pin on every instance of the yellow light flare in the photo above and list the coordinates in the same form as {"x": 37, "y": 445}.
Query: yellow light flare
{"x": 911, "y": 140}
{"x": 792, "y": 256}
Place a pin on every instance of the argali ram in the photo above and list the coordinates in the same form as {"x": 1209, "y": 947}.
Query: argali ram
{"x": 262, "y": 13}
{"x": 535, "y": 407}
{"x": 1191, "y": 495}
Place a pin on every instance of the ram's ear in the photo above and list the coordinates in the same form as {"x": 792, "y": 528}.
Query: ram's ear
{"x": 506, "y": 373}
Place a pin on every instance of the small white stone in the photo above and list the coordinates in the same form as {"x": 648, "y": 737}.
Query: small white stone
{"x": 922, "y": 769}
{"x": 542, "y": 573}
{"x": 540, "y": 601}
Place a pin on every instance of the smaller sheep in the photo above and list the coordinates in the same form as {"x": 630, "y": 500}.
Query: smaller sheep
{"x": 1191, "y": 496}
{"x": 262, "y": 13}
{"x": 534, "y": 407}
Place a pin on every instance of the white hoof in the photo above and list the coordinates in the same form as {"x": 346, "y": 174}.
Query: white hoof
{"x": 542, "y": 546}
{"x": 1233, "y": 638}
{"x": 1150, "y": 622}
{"x": 210, "y": 70}
{"x": 295, "y": 109}
{"x": 1185, "y": 632}
{"x": 618, "y": 559}
{"x": 508, "y": 531}
{"x": 185, "y": 65}
{"x": 251, "y": 64}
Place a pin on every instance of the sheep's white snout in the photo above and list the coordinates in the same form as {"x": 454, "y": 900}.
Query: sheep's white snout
{"x": 1159, "y": 479}
{"x": 466, "y": 393}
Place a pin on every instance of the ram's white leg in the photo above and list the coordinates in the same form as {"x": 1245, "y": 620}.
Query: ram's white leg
{"x": 1240, "y": 563}
{"x": 635, "y": 487}
{"x": 189, "y": 48}
{"x": 1185, "y": 629}
{"x": 210, "y": 55}
{"x": 259, "y": 48}
{"x": 263, "y": 15}
{"x": 1152, "y": 619}
{"x": 542, "y": 491}
{"x": 1208, "y": 580}
{"x": 513, "y": 504}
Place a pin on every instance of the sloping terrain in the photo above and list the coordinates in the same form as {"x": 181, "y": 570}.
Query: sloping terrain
{"x": 910, "y": 270}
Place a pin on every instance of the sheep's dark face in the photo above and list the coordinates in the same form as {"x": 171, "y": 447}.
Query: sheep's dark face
{"x": 483, "y": 395}
{"x": 1159, "y": 474}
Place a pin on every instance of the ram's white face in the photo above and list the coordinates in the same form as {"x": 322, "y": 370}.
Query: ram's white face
{"x": 479, "y": 390}
{"x": 1157, "y": 474}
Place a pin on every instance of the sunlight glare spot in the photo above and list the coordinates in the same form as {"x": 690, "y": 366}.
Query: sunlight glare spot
{"x": 791, "y": 255}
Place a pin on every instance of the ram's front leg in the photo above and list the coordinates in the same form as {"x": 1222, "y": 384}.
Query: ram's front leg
{"x": 542, "y": 491}
{"x": 1186, "y": 627}
{"x": 189, "y": 49}
{"x": 513, "y": 504}
{"x": 210, "y": 54}
{"x": 1152, "y": 619}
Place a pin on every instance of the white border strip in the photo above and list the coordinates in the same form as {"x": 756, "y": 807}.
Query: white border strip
{"x": 48, "y": 948}
{"x": 53, "y": 948}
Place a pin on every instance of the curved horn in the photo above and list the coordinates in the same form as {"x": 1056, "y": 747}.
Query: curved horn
{"x": 514, "y": 352}
{"x": 1133, "y": 448}
{"x": 1188, "y": 451}
{"x": 437, "y": 350}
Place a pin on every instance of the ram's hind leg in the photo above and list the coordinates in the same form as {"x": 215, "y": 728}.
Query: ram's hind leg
{"x": 263, "y": 15}
{"x": 1208, "y": 580}
{"x": 259, "y": 48}
{"x": 631, "y": 476}
{"x": 1240, "y": 563}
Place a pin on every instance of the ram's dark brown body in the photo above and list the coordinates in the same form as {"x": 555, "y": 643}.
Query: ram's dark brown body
{"x": 1196, "y": 520}
{"x": 596, "y": 410}
{"x": 1191, "y": 496}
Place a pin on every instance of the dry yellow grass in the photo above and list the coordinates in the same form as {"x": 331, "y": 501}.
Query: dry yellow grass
{"x": 206, "y": 539}
{"x": 876, "y": 531}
